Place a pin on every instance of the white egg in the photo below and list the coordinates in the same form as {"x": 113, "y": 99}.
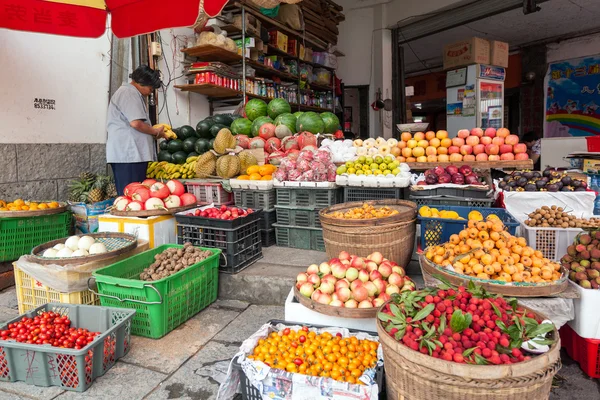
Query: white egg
{"x": 66, "y": 252}
{"x": 72, "y": 243}
{"x": 59, "y": 246}
{"x": 80, "y": 253}
{"x": 97, "y": 248}
{"x": 50, "y": 253}
{"x": 85, "y": 242}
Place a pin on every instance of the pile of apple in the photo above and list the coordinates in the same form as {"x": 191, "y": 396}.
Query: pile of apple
{"x": 353, "y": 282}
{"x": 223, "y": 212}
{"x": 153, "y": 195}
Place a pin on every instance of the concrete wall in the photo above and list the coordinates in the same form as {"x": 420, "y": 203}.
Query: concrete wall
{"x": 575, "y": 48}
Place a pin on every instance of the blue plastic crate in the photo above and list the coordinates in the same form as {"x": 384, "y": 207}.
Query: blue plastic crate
{"x": 436, "y": 231}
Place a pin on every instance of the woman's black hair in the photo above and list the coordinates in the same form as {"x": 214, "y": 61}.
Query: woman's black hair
{"x": 530, "y": 136}
{"x": 146, "y": 76}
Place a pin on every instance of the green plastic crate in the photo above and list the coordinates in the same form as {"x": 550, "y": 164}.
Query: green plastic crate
{"x": 19, "y": 235}
{"x": 308, "y": 197}
{"x": 70, "y": 369}
{"x": 298, "y": 216}
{"x": 161, "y": 305}
{"x": 299, "y": 237}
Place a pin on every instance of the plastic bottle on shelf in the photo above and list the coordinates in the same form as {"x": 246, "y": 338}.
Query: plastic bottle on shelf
{"x": 595, "y": 186}
{"x": 329, "y": 101}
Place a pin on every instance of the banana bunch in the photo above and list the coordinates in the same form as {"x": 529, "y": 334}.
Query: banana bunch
{"x": 166, "y": 170}
{"x": 168, "y": 130}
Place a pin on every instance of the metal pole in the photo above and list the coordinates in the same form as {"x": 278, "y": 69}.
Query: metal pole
{"x": 244, "y": 53}
{"x": 398, "y": 89}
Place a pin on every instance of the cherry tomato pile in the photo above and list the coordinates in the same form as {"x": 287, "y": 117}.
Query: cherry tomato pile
{"x": 48, "y": 328}
{"x": 222, "y": 212}
{"x": 466, "y": 325}
{"x": 324, "y": 355}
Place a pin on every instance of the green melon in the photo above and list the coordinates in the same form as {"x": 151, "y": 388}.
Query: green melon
{"x": 277, "y": 107}
{"x": 214, "y": 130}
{"x": 258, "y": 122}
{"x": 179, "y": 157}
{"x": 331, "y": 122}
{"x": 310, "y": 122}
{"x": 255, "y": 108}
{"x": 211, "y": 143}
{"x": 175, "y": 145}
{"x": 185, "y": 132}
{"x": 164, "y": 145}
{"x": 241, "y": 126}
{"x": 223, "y": 119}
{"x": 193, "y": 154}
{"x": 188, "y": 144}
{"x": 203, "y": 128}
{"x": 202, "y": 146}
{"x": 288, "y": 120}
{"x": 164, "y": 155}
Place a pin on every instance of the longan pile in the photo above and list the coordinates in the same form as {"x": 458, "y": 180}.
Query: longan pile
{"x": 557, "y": 217}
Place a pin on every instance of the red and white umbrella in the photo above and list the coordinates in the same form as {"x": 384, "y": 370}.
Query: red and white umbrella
{"x": 87, "y": 18}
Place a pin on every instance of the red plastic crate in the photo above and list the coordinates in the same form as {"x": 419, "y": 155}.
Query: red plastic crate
{"x": 585, "y": 351}
{"x": 593, "y": 143}
{"x": 208, "y": 193}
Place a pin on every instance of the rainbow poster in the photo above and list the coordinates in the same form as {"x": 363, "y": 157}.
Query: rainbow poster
{"x": 573, "y": 98}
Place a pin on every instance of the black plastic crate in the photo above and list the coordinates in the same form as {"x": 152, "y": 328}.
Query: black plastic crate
{"x": 365, "y": 194}
{"x": 249, "y": 392}
{"x": 241, "y": 246}
{"x": 292, "y": 216}
{"x": 267, "y": 220}
{"x": 299, "y": 237}
{"x": 452, "y": 192}
{"x": 183, "y": 218}
{"x": 308, "y": 197}
{"x": 451, "y": 201}
{"x": 268, "y": 237}
{"x": 251, "y": 198}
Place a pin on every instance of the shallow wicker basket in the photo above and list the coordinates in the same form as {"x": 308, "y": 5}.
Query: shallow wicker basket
{"x": 394, "y": 236}
{"x": 411, "y": 375}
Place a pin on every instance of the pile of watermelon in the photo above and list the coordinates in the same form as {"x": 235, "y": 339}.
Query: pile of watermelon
{"x": 193, "y": 142}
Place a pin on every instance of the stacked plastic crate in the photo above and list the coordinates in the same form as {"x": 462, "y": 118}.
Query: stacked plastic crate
{"x": 260, "y": 198}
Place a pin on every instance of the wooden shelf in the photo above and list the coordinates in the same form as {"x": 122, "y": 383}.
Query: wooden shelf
{"x": 316, "y": 86}
{"x": 311, "y": 108}
{"x": 525, "y": 164}
{"x": 274, "y": 51}
{"x": 212, "y": 53}
{"x": 209, "y": 90}
{"x": 263, "y": 69}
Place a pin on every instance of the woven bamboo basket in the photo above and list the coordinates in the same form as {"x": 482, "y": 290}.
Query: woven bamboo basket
{"x": 411, "y": 375}
{"x": 394, "y": 236}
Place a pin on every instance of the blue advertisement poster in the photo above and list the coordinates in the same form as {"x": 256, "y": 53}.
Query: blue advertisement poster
{"x": 573, "y": 98}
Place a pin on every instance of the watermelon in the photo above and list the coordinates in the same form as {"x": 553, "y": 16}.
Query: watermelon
{"x": 331, "y": 122}
{"x": 164, "y": 155}
{"x": 242, "y": 126}
{"x": 179, "y": 157}
{"x": 258, "y": 122}
{"x": 185, "y": 132}
{"x": 288, "y": 120}
{"x": 277, "y": 107}
{"x": 297, "y": 114}
{"x": 164, "y": 145}
{"x": 214, "y": 130}
{"x": 211, "y": 143}
{"x": 201, "y": 146}
{"x": 188, "y": 144}
{"x": 236, "y": 116}
{"x": 223, "y": 119}
{"x": 310, "y": 122}
{"x": 255, "y": 108}
{"x": 175, "y": 145}
{"x": 193, "y": 154}
{"x": 203, "y": 128}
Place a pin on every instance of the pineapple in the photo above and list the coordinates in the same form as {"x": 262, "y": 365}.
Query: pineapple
{"x": 78, "y": 190}
{"x": 111, "y": 190}
{"x": 95, "y": 195}
{"x": 87, "y": 176}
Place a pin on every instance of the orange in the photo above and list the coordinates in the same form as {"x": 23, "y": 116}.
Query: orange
{"x": 267, "y": 178}
{"x": 253, "y": 169}
{"x": 265, "y": 169}
{"x": 255, "y": 176}
{"x": 243, "y": 177}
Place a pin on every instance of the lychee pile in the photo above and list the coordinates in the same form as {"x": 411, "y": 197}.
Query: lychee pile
{"x": 353, "y": 282}
{"x": 583, "y": 260}
{"x": 464, "y": 325}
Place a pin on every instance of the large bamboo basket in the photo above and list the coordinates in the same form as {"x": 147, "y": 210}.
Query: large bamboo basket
{"x": 394, "y": 236}
{"x": 514, "y": 289}
{"x": 411, "y": 375}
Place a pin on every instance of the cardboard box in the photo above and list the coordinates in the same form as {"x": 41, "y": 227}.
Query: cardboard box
{"x": 466, "y": 52}
{"x": 308, "y": 54}
{"x": 292, "y": 47}
{"x": 301, "y": 52}
{"x": 499, "y": 53}
{"x": 253, "y": 25}
{"x": 278, "y": 40}
{"x": 251, "y": 43}
{"x": 591, "y": 166}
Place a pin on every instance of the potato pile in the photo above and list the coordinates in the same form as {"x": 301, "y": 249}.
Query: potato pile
{"x": 557, "y": 217}
{"x": 172, "y": 261}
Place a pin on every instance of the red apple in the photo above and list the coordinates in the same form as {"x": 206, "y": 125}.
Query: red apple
{"x": 478, "y": 149}
{"x": 507, "y": 157}
{"x": 520, "y": 148}
{"x": 149, "y": 182}
{"x": 363, "y": 275}
{"x": 358, "y": 262}
{"x": 355, "y": 284}
{"x": 463, "y": 133}
{"x": 376, "y": 257}
{"x": 472, "y": 140}
{"x": 378, "y": 302}
{"x": 481, "y": 157}
{"x": 477, "y": 132}
{"x": 159, "y": 190}
{"x": 371, "y": 266}
{"x": 141, "y": 193}
{"x": 173, "y": 201}
{"x": 176, "y": 187}
{"x": 365, "y": 304}
{"x": 385, "y": 269}
{"x": 342, "y": 283}
{"x": 371, "y": 288}
{"x": 360, "y": 293}
{"x": 522, "y": 156}
{"x": 344, "y": 255}
{"x": 502, "y": 132}
{"x": 458, "y": 141}
{"x": 306, "y": 289}
{"x": 380, "y": 285}
{"x": 511, "y": 139}
{"x": 466, "y": 149}
{"x": 351, "y": 274}
{"x": 188, "y": 199}
{"x": 351, "y": 304}
{"x": 490, "y": 132}
{"x": 343, "y": 294}
{"x": 493, "y": 157}
{"x": 492, "y": 149}
{"x": 506, "y": 148}
{"x": 485, "y": 140}
{"x": 384, "y": 296}
{"x": 498, "y": 141}
{"x": 453, "y": 149}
